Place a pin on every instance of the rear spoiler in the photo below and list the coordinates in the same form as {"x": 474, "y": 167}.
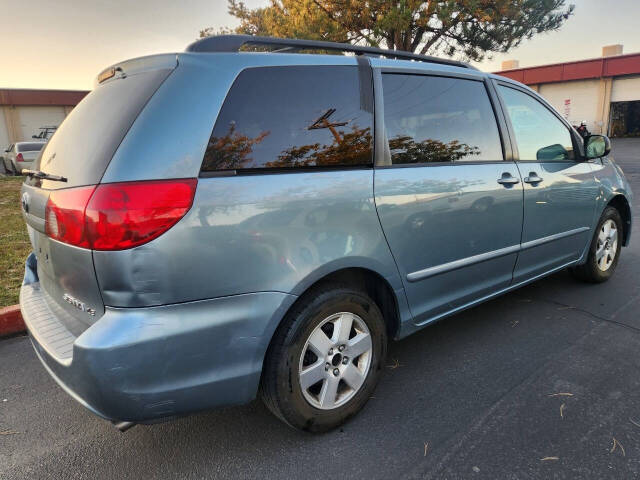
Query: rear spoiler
{"x": 165, "y": 61}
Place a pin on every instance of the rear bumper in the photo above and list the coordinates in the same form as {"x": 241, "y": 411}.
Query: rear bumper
{"x": 142, "y": 364}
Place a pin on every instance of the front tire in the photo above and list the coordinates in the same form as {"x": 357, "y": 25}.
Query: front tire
{"x": 325, "y": 359}
{"x": 604, "y": 251}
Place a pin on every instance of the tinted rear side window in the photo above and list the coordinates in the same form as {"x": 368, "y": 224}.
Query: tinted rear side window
{"x": 30, "y": 147}
{"x": 439, "y": 119}
{"x": 292, "y": 117}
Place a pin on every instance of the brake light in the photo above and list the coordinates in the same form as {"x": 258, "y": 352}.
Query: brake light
{"x": 64, "y": 216}
{"x": 117, "y": 216}
{"x": 125, "y": 215}
{"x": 19, "y": 158}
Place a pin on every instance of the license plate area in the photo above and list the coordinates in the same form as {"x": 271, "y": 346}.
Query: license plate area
{"x": 66, "y": 273}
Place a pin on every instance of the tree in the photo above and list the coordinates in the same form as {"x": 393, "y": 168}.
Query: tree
{"x": 463, "y": 28}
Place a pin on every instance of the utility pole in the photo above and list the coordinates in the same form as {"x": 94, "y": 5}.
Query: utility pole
{"x": 323, "y": 122}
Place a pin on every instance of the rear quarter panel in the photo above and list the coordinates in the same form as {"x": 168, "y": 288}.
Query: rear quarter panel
{"x": 274, "y": 232}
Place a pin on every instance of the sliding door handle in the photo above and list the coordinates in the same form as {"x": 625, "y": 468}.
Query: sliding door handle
{"x": 507, "y": 179}
{"x": 533, "y": 178}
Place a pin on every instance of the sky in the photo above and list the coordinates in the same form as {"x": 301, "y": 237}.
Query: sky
{"x": 64, "y": 44}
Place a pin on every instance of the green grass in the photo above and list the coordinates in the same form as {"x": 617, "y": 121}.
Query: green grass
{"x": 14, "y": 241}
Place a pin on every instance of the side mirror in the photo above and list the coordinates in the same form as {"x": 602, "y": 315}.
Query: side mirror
{"x": 596, "y": 146}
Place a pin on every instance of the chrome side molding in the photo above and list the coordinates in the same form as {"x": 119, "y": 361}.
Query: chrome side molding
{"x": 483, "y": 257}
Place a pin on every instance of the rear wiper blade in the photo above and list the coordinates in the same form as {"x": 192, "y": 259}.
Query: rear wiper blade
{"x": 45, "y": 176}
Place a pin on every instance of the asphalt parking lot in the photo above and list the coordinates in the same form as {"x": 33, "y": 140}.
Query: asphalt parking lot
{"x": 540, "y": 383}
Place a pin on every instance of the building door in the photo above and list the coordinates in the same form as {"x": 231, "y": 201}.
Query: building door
{"x": 625, "y": 119}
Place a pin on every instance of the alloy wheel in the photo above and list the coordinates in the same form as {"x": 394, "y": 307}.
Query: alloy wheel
{"x": 607, "y": 246}
{"x": 335, "y": 360}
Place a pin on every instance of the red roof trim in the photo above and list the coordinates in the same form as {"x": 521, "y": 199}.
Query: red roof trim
{"x": 19, "y": 97}
{"x": 579, "y": 70}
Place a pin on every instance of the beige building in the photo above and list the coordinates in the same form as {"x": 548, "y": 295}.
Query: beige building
{"x": 604, "y": 91}
{"x": 23, "y": 112}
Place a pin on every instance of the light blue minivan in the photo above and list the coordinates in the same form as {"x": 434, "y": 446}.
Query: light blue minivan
{"x": 246, "y": 217}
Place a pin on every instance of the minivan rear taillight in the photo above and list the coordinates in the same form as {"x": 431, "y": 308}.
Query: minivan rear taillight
{"x": 19, "y": 158}
{"x": 64, "y": 215}
{"x": 117, "y": 216}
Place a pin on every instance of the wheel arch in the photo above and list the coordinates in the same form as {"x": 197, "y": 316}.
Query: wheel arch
{"x": 620, "y": 203}
{"x": 376, "y": 287}
{"x": 367, "y": 280}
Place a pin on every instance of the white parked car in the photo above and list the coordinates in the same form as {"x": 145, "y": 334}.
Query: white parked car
{"x": 21, "y": 155}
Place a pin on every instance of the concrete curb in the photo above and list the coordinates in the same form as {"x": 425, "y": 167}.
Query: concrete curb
{"x": 11, "y": 320}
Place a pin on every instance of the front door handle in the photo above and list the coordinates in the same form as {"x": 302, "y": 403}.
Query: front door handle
{"x": 507, "y": 179}
{"x": 532, "y": 178}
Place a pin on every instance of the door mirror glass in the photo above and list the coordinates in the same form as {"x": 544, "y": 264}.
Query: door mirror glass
{"x": 596, "y": 146}
{"x": 552, "y": 152}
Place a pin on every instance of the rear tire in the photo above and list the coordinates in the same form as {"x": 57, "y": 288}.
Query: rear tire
{"x": 604, "y": 251}
{"x": 318, "y": 372}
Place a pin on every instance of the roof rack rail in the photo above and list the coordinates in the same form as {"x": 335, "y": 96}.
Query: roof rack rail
{"x": 233, "y": 43}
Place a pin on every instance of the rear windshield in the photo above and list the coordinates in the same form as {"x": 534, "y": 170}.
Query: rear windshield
{"x": 82, "y": 147}
{"x": 30, "y": 147}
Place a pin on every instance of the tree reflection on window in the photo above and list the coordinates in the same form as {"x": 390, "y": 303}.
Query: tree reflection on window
{"x": 353, "y": 148}
{"x": 233, "y": 151}
{"x": 230, "y": 152}
{"x": 404, "y": 149}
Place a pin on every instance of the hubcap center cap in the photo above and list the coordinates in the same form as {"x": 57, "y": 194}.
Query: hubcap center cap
{"x": 337, "y": 358}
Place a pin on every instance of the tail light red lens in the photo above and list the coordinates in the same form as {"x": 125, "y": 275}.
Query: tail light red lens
{"x": 124, "y": 215}
{"x": 117, "y": 216}
{"x": 64, "y": 216}
{"x": 19, "y": 158}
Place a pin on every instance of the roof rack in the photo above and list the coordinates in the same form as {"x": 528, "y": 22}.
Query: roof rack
{"x": 233, "y": 43}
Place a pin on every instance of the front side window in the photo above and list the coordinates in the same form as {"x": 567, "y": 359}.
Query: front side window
{"x": 439, "y": 119}
{"x": 540, "y": 135}
{"x": 289, "y": 117}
